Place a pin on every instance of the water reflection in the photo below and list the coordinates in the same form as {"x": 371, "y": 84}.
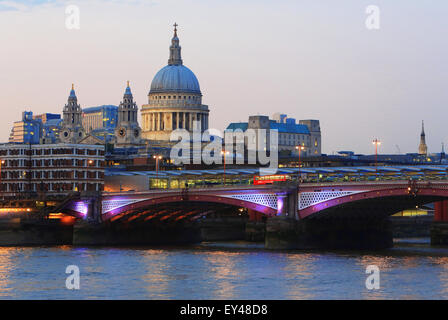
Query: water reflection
{"x": 222, "y": 271}
{"x": 156, "y": 278}
{"x": 6, "y": 268}
{"x": 299, "y": 270}
{"x": 441, "y": 263}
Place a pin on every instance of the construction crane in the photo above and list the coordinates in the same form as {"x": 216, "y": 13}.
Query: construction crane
{"x": 398, "y": 149}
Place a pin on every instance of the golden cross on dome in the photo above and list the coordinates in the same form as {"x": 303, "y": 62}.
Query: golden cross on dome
{"x": 175, "y": 28}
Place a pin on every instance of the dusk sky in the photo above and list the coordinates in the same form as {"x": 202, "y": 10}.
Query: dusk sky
{"x": 308, "y": 59}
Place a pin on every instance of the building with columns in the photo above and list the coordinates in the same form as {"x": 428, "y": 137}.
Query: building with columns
{"x": 174, "y": 100}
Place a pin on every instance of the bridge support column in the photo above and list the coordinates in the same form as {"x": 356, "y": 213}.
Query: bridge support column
{"x": 439, "y": 227}
{"x": 255, "y": 216}
{"x": 94, "y": 207}
{"x": 287, "y": 203}
{"x": 441, "y": 211}
{"x": 287, "y": 233}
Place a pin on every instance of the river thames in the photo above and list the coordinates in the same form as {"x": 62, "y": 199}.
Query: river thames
{"x": 231, "y": 270}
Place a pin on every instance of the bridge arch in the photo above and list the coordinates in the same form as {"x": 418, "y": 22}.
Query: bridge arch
{"x": 375, "y": 203}
{"x": 143, "y": 204}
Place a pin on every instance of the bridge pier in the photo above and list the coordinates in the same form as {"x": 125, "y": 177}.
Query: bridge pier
{"x": 439, "y": 227}
{"x": 287, "y": 233}
{"x": 94, "y": 201}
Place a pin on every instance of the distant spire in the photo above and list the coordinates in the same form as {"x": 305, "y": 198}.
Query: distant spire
{"x": 422, "y": 148}
{"x": 175, "y": 49}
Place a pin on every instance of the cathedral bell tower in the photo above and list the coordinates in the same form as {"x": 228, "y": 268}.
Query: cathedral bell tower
{"x": 71, "y": 127}
{"x": 127, "y": 132}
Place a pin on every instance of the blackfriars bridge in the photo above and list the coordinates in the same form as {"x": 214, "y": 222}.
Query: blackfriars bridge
{"x": 307, "y": 215}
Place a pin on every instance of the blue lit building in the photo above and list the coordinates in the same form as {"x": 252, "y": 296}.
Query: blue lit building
{"x": 100, "y": 121}
{"x": 98, "y": 118}
{"x": 35, "y": 129}
{"x": 51, "y": 129}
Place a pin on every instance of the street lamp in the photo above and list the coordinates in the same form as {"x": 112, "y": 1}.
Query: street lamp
{"x": 300, "y": 148}
{"x": 157, "y": 165}
{"x": 2, "y": 162}
{"x": 224, "y": 153}
{"x": 376, "y": 142}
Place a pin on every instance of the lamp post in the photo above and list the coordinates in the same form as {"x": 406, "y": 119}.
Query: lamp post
{"x": 300, "y": 148}
{"x": 2, "y": 162}
{"x": 376, "y": 142}
{"x": 224, "y": 153}
{"x": 157, "y": 165}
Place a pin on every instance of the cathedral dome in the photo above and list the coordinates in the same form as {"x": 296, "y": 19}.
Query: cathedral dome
{"x": 175, "y": 78}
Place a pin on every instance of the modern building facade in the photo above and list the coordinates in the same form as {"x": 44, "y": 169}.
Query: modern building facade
{"x": 174, "y": 100}
{"x": 28, "y": 130}
{"x": 53, "y": 169}
{"x": 51, "y": 129}
{"x": 99, "y": 118}
{"x": 46, "y": 117}
{"x": 35, "y": 129}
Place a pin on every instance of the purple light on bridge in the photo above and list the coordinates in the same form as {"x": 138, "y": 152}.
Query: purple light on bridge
{"x": 113, "y": 205}
{"x": 81, "y": 207}
{"x": 280, "y": 204}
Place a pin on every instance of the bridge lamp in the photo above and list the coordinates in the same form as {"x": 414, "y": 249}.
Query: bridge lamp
{"x": 224, "y": 153}
{"x": 300, "y": 148}
{"x": 157, "y": 157}
{"x": 2, "y": 162}
{"x": 376, "y": 142}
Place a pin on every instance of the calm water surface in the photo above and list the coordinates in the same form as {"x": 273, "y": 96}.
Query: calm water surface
{"x": 235, "y": 270}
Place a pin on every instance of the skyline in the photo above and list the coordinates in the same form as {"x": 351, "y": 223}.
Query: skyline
{"x": 326, "y": 63}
